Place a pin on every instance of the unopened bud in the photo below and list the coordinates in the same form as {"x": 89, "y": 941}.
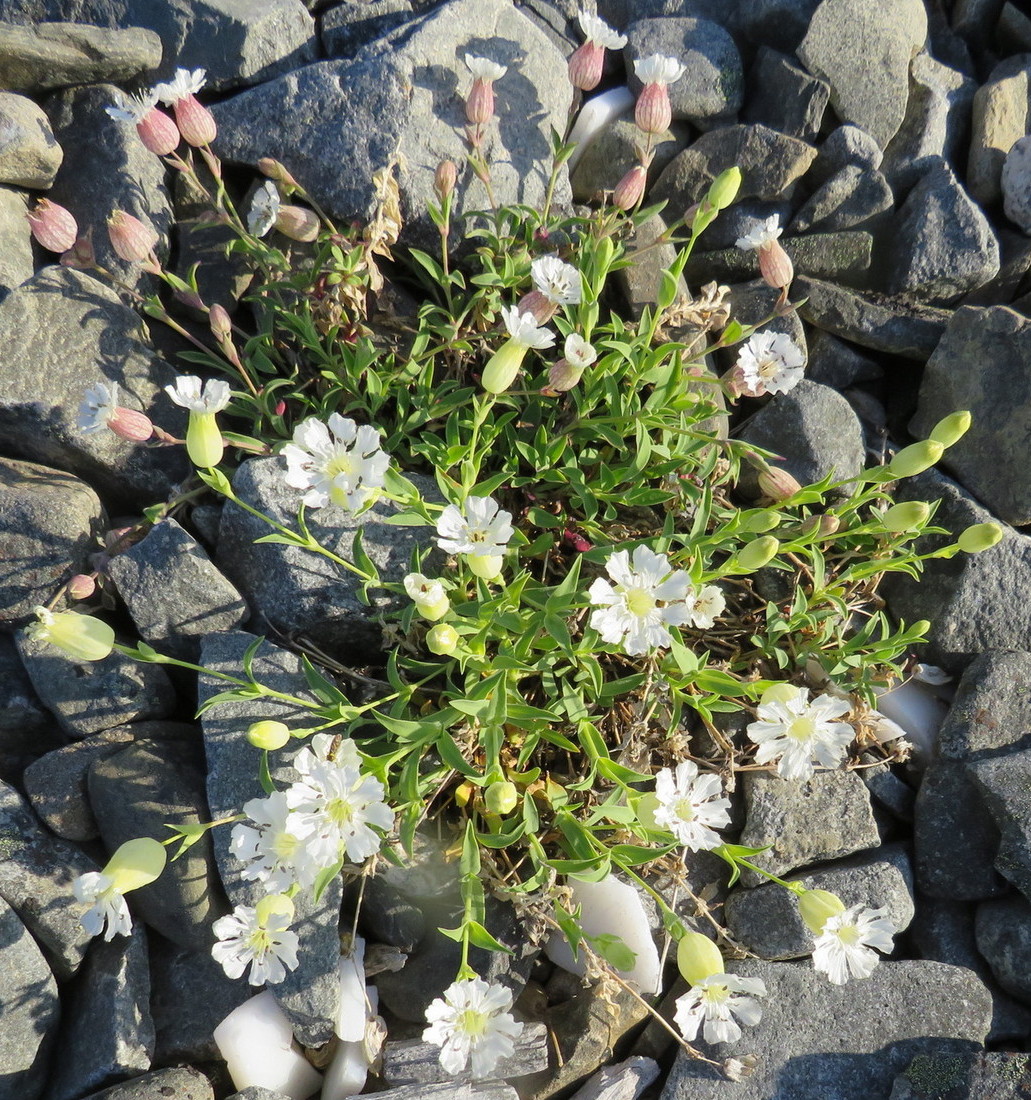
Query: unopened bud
{"x": 630, "y": 189}
{"x": 445, "y": 179}
{"x": 130, "y": 238}
{"x": 778, "y": 484}
{"x": 698, "y": 958}
{"x": 479, "y": 107}
{"x": 756, "y": 554}
{"x": 653, "y": 112}
{"x": 81, "y": 254}
{"x": 775, "y": 266}
{"x": 442, "y": 639}
{"x": 220, "y": 322}
{"x": 539, "y": 304}
{"x": 905, "y": 516}
{"x": 131, "y": 424}
{"x": 81, "y": 587}
{"x": 503, "y": 367}
{"x": 501, "y": 798}
{"x": 915, "y": 458}
{"x": 724, "y": 188}
{"x": 196, "y": 123}
{"x": 563, "y": 376}
{"x": 951, "y": 429}
{"x": 136, "y": 863}
{"x": 817, "y": 907}
{"x": 760, "y": 521}
{"x": 585, "y": 66}
{"x": 782, "y": 692}
{"x": 981, "y": 536}
{"x": 298, "y": 223}
{"x": 485, "y": 566}
{"x": 272, "y": 168}
{"x": 53, "y": 226}
{"x": 158, "y": 132}
{"x": 268, "y": 735}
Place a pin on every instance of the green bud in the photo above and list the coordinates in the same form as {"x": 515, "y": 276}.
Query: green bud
{"x": 484, "y": 566}
{"x": 915, "y": 458}
{"x": 756, "y": 554}
{"x": 442, "y": 639}
{"x": 268, "y": 735}
{"x": 951, "y": 429}
{"x": 80, "y": 636}
{"x": 645, "y": 807}
{"x": 817, "y": 907}
{"x": 724, "y": 188}
{"x": 698, "y": 958}
{"x": 503, "y": 367}
{"x": 982, "y": 536}
{"x": 501, "y": 798}
{"x": 136, "y": 863}
{"x": 905, "y": 516}
{"x": 761, "y": 520}
{"x": 204, "y": 440}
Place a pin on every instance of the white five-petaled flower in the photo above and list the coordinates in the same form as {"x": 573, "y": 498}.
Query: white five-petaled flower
{"x": 276, "y": 852}
{"x": 716, "y": 1004}
{"x": 191, "y": 393}
{"x": 108, "y": 905}
{"x": 761, "y": 235}
{"x": 472, "y": 1026}
{"x": 691, "y": 806}
{"x": 482, "y": 530}
{"x": 99, "y": 407}
{"x": 578, "y": 352}
{"x": 797, "y": 732}
{"x": 709, "y": 604}
{"x": 845, "y": 947}
{"x": 599, "y": 33}
{"x": 770, "y": 362}
{"x": 264, "y": 209}
{"x": 132, "y": 108}
{"x": 185, "y": 83}
{"x": 341, "y": 463}
{"x": 524, "y": 330}
{"x": 268, "y": 947}
{"x": 658, "y": 69}
{"x": 647, "y": 598}
{"x": 483, "y": 68}
{"x": 558, "y": 281}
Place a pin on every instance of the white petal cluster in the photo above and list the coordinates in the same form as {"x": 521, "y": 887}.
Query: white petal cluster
{"x": 770, "y": 362}
{"x": 268, "y": 948}
{"x": 762, "y": 234}
{"x": 264, "y": 209}
{"x": 558, "y": 281}
{"x": 524, "y": 330}
{"x": 659, "y": 69}
{"x": 599, "y": 33}
{"x": 191, "y": 393}
{"x": 108, "y": 907}
{"x": 184, "y": 84}
{"x": 798, "y": 733}
{"x": 716, "y": 1005}
{"x": 484, "y": 69}
{"x": 846, "y": 946}
{"x": 472, "y": 1026}
{"x": 578, "y": 352}
{"x": 691, "y": 806}
{"x": 646, "y": 598}
{"x": 132, "y": 108}
{"x": 276, "y": 851}
{"x": 483, "y": 529}
{"x": 339, "y": 463}
{"x": 709, "y": 604}
{"x": 98, "y": 408}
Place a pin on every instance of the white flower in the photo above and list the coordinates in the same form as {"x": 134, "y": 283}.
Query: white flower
{"x": 761, "y": 234}
{"x": 709, "y": 604}
{"x": 98, "y": 408}
{"x": 484, "y": 69}
{"x": 423, "y": 590}
{"x": 798, "y": 732}
{"x": 269, "y": 948}
{"x": 276, "y": 852}
{"x": 770, "y": 362}
{"x": 130, "y": 108}
{"x": 342, "y": 464}
{"x": 484, "y": 529}
{"x": 108, "y": 905}
{"x": 646, "y": 598}
{"x": 191, "y": 393}
{"x": 844, "y": 949}
{"x": 471, "y": 1024}
{"x": 599, "y": 33}
{"x": 715, "y": 1002}
{"x": 558, "y": 281}
{"x": 264, "y": 209}
{"x": 181, "y": 86}
{"x": 691, "y": 806}
{"x": 578, "y": 352}
{"x": 524, "y": 330}
{"x": 658, "y": 69}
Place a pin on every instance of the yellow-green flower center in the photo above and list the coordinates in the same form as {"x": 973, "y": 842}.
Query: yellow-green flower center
{"x": 848, "y": 934}
{"x": 639, "y": 601}
{"x": 341, "y": 464}
{"x": 339, "y": 811}
{"x": 684, "y": 809}
{"x": 472, "y": 1022}
{"x": 802, "y": 729}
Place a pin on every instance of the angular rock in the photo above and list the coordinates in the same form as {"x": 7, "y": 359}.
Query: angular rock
{"x": 73, "y": 324}
{"x": 29, "y": 1007}
{"x": 349, "y": 25}
{"x": 407, "y": 97}
{"x": 614, "y": 152}
{"x": 1003, "y": 931}
{"x": 413, "y": 1062}
{"x": 901, "y": 1010}
{"x": 173, "y": 592}
{"x": 943, "y": 244}
{"x": 1016, "y": 184}
{"x": 863, "y": 51}
{"x": 837, "y": 363}
{"x": 26, "y": 727}
{"x": 844, "y": 146}
{"x": 16, "y": 263}
{"x": 55, "y": 55}
{"x": 29, "y": 153}
{"x": 785, "y": 97}
{"x": 712, "y": 89}
{"x": 850, "y": 198}
{"x": 1003, "y": 784}
{"x": 1002, "y": 1075}
{"x": 843, "y": 257}
{"x": 826, "y": 817}
{"x": 999, "y": 116}
{"x": 180, "y": 1082}
{"x": 49, "y": 525}
{"x": 106, "y": 1030}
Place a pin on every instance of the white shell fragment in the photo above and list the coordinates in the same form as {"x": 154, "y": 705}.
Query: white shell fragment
{"x": 915, "y": 707}
{"x": 597, "y": 113}
{"x": 346, "y": 1074}
{"x": 352, "y": 1012}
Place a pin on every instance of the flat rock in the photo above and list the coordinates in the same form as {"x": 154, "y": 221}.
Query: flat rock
{"x": 943, "y": 244}
{"x": 863, "y": 50}
{"x": 843, "y": 257}
{"x": 55, "y": 55}
{"x": 999, "y": 117}
{"x": 625, "y": 1081}
{"x": 785, "y": 97}
{"x": 49, "y": 525}
{"x": 850, "y": 198}
{"x": 1003, "y": 932}
{"x": 844, "y": 146}
{"x": 178, "y": 1083}
{"x": 1002, "y": 1075}
{"x": 29, "y": 153}
{"x": 413, "y": 1062}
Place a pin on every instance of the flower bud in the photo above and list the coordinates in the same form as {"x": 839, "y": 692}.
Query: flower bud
{"x": 698, "y": 958}
{"x": 53, "y": 226}
{"x": 204, "y": 442}
{"x": 268, "y": 735}
{"x": 81, "y": 254}
{"x": 442, "y": 639}
{"x": 503, "y": 367}
{"x": 158, "y": 132}
{"x": 130, "y": 238}
{"x": 951, "y": 429}
{"x": 724, "y": 188}
{"x": 131, "y": 424}
{"x": 775, "y": 266}
{"x": 778, "y": 484}
{"x": 270, "y": 167}
{"x": 81, "y": 587}
{"x": 220, "y": 323}
{"x": 539, "y": 305}
{"x": 981, "y": 536}
{"x": 196, "y": 123}
{"x": 915, "y": 458}
{"x": 905, "y": 516}
{"x": 585, "y": 66}
{"x": 756, "y": 554}
{"x": 760, "y": 521}
{"x": 80, "y": 636}
{"x": 501, "y": 798}
{"x": 445, "y": 179}
{"x": 780, "y": 693}
{"x": 136, "y": 863}
{"x": 630, "y": 189}
{"x": 653, "y": 112}
{"x": 485, "y": 566}
{"x": 563, "y": 376}
{"x": 645, "y": 808}
{"x": 298, "y": 223}
{"x": 479, "y": 107}
{"x": 817, "y": 907}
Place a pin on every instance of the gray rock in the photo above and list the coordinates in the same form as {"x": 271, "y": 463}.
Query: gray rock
{"x": 407, "y": 97}
{"x": 55, "y": 55}
{"x": 826, "y": 817}
{"x": 1003, "y": 930}
{"x": 767, "y": 921}
{"x": 173, "y": 592}
{"x": 413, "y": 1062}
{"x": 16, "y": 263}
{"x": 614, "y": 152}
{"x": 852, "y": 197}
{"x": 641, "y": 279}
{"x": 738, "y": 220}
{"x": 843, "y": 257}
{"x": 889, "y": 789}
{"x": 137, "y": 791}
{"x": 770, "y": 164}
{"x": 712, "y": 89}
{"x": 26, "y": 727}
{"x": 1014, "y": 264}
{"x": 294, "y": 590}
{"x": 558, "y": 20}
{"x": 56, "y": 783}
{"x": 29, "y": 154}
{"x": 309, "y": 994}
{"x": 785, "y": 97}
{"x": 387, "y": 917}
{"x": 844, "y": 146}
{"x": 837, "y": 363}
{"x": 443, "y": 1090}
{"x": 1016, "y": 184}
{"x": 937, "y": 121}
{"x": 625, "y": 1081}
{"x": 999, "y": 116}
{"x": 349, "y": 25}
{"x": 1002, "y": 1075}
{"x": 901, "y": 1010}
{"x": 84, "y": 334}
{"x": 180, "y": 1083}
{"x": 872, "y": 321}
{"x": 1013, "y": 28}
{"x": 863, "y": 51}
{"x": 106, "y": 1031}
{"x": 88, "y": 696}
{"x": 30, "y": 1010}
{"x": 1003, "y": 784}
{"x": 49, "y": 525}
{"x": 943, "y": 245}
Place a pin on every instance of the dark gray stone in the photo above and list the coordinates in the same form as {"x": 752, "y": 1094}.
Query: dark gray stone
{"x": 844, "y": 146}
{"x": 49, "y": 525}
{"x": 843, "y": 257}
{"x": 25, "y": 724}
{"x": 106, "y": 1029}
{"x": 29, "y": 153}
{"x": 863, "y": 50}
{"x": 30, "y": 1010}
{"x": 942, "y": 245}
{"x": 1002, "y": 1075}
{"x": 999, "y": 117}
{"x": 347, "y": 26}
{"x": 1004, "y": 784}
{"x": 614, "y": 152}
{"x": 785, "y": 97}
{"x": 180, "y": 1083}
{"x": 901, "y": 1010}
{"x": 1003, "y": 929}
{"x": 852, "y": 197}
{"x": 837, "y": 363}
{"x": 386, "y": 916}
{"x": 712, "y": 89}
{"x": 173, "y": 592}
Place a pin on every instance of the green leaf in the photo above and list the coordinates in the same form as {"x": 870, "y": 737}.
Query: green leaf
{"x": 264, "y": 777}
{"x": 323, "y": 689}
{"x": 613, "y": 950}
{"x": 480, "y": 937}
{"x": 248, "y": 657}
{"x": 324, "y": 878}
